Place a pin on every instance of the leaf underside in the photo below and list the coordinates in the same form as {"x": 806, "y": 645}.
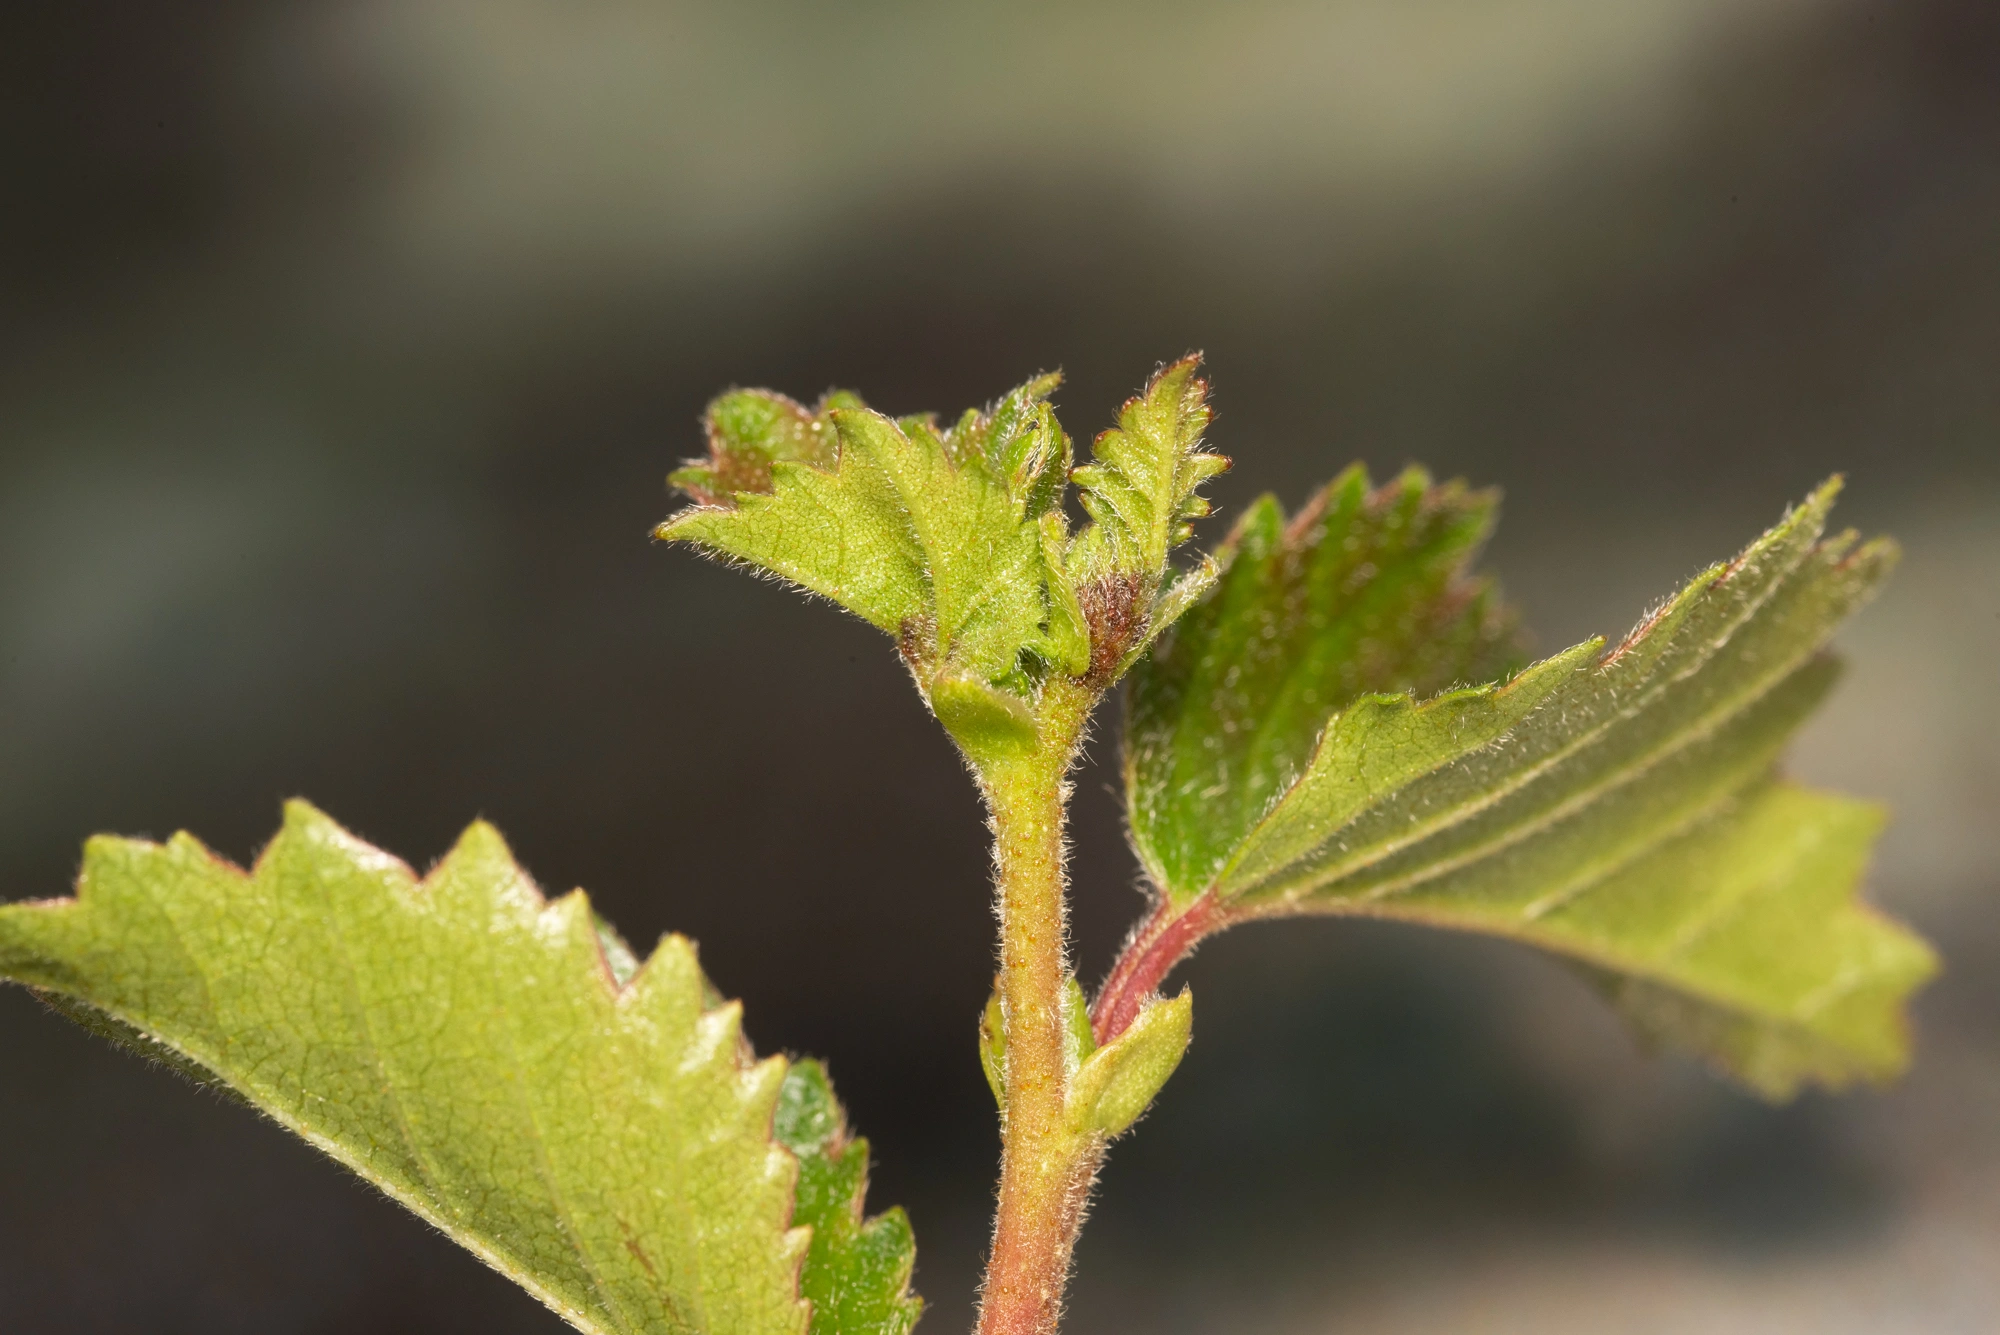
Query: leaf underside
{"x": 595, "y": 1128}
{"x": 1621, "y": 809}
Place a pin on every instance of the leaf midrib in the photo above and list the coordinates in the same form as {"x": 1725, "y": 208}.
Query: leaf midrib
{"x": 1588, "y": 950}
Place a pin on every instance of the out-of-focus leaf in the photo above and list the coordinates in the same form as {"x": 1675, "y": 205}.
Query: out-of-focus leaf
{"x": 1078, "y": 1041}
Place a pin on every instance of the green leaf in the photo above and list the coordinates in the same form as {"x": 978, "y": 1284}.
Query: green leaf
{"x": 936, "y": 538}
{"x": 1618, "y": 810}
{"x": 1116, "y": 1083}
{"x": 1364, "y": 591}
{"x": 749, "y": 431}
{"x": 595, "y": 1129}
{"x": 1021, "y": 445}
{"x": 1140, "y": 492}
{"x": 838, "y": 532}
{"x": 1139, "y": 487}
{"x": 857, "y": 1273}
{"x": 982, "y": 561}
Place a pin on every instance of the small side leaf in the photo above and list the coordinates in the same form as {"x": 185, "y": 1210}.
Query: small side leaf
{"x": 592, "y": 1127}
{"x": 1078, "y": 1040}
{"x": 989, "y": 723}
{"x": 1116, "y": 1083}
{"x": 857, "y": 1273}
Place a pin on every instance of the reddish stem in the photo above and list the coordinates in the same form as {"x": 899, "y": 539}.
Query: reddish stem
{"x": 1154, "y": 948}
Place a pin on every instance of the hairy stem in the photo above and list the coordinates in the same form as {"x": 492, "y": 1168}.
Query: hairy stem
{"x": 1046, "y": 1169}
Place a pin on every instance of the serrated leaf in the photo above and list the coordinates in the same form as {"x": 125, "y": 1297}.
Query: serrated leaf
{"x": 1626, "y": 818}
{"x": 1365, "y": 591}
{"x": 1065, "y": 640}
{"x": 1020, "y": 444}
{"x": 934, "y": 537}
{"x": 840, "y": 533}
{"x": 982, "y": 561}
{"x": 595, "y": 1129}
{"x": 857, "y": 1273}
{"x": 1140, "y": 484}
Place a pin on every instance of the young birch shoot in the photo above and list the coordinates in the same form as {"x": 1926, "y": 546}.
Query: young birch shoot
{"x": 1326, "y": 715}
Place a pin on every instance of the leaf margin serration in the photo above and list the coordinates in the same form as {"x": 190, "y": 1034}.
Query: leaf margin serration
{"x": 564, "y": 924}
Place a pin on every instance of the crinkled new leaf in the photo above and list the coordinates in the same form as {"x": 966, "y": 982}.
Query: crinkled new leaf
{"x": 935, "y": 538}
{"x": 1140, "y": 485}
{"x": 1619, "y": 809}
{"x": 595, "y": 1128}
{"x": 954, "y": 541}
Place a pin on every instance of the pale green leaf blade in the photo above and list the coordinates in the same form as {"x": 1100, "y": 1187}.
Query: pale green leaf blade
{"x": 1741, "y": 940}
{"x": 465, "y": 1045}
{"x": 857, "y": 1273}
{"x": 981, "y": 559}
{"x": 840, "y": 533}
{"x": 1364, "y": 591}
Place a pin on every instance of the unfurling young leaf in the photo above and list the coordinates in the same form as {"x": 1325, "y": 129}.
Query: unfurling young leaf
{"x": 1620, "y": 809}
{"x": 594, "y": 1128}
{"x": 749, "y": 432}
{"x": 955, "y": 542}
{"x": 1140, "y": 490}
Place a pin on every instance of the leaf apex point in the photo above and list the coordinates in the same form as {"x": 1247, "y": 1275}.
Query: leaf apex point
{"x": 299, "y": 812}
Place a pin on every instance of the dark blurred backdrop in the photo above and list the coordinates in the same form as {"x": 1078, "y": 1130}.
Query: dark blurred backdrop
{"x": 344, "y": 345}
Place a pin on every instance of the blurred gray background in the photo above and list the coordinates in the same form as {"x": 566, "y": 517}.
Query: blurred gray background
{"x": 343, "y": 349}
